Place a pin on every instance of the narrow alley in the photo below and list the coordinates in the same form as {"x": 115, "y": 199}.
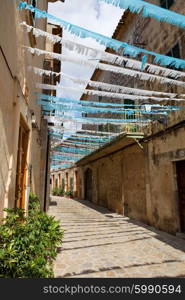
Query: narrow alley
{"x": 98, "y": 243}
{"x": 92, "y": 143}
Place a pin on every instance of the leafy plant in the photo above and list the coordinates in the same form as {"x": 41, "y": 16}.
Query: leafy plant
{"x": 69, "y": 193}
{"x": 58, "y": 191}
{"x": 28, "y": 244}
{"x": 33, "y": 201}
{"x": 55, "y": 191}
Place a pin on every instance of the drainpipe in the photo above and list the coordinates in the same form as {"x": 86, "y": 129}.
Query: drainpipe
{"x": 46, "y": 176}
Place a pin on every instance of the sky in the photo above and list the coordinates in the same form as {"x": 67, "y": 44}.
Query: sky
{"x": 94, "y": 15}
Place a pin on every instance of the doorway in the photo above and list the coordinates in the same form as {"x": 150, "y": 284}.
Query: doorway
{"x": 180, "y": 167}
{"x": 20, "y": 190}
{"x": 88, "y": 184}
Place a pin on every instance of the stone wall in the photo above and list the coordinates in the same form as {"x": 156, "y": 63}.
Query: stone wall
{"x": 17, "y": 101}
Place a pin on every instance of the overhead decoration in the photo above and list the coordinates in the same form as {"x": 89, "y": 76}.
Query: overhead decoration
{"x": 91, "y": 138}
{"x": 103, "y": 120}
{"x": 118, "y": 88}
{"x": 150, "y": 10}
{"x": 94, "y": 110}
{"x": 64, "y": 157}
{"x": 42, "y": 72}
{"x": 104, "y": 94}
{"x": 107, "y": 86}
{"x": 106, "y": 41}
{"x": 106, "y": 56}
{"x": 82, "y": 135}
{"x": 68, "y": 101}
{"x": 74, "y": 150}
{"x": 69, "y": 147}
{"x": 61, "y": 166}
{"x": 87, "y": 139}
{"x": 106, "y": 67}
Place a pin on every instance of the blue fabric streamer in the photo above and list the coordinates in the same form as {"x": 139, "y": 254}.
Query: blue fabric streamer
{"x": 78, "y": 137}
{"x": 61, "y": 136}
{"x": 69, "y": 101}
{"x": 87, "y": 139}
{"x": 73, "y": 150}
{"x": 81, "y": 135}
{"x": 62, "y": 157}
{"x": 61, "y": 166}
{"x": 82, "y": 109}
{"x": 150, "y": 10}
{"x": 101, "y": 120}
{"x": 144, "y": 61}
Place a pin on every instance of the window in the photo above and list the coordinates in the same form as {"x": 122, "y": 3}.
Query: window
{"x": 166, "y": 3}
{"x": 71, "y": 184}
{"x": 34, "y": 4}
{"x": 175, "y": 51}
{"x": 130, "y": 104}
{"x": 63, "y": 183}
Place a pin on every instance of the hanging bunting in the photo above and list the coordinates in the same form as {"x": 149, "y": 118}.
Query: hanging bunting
{"x": 144, "y": 60}
{"x": 56, "y": 152}
{"x": 117, "y": 88}
{"x": 106, "y": 41}
{"x": 76, "y": 151}
{"x": 102, "y": 120}
{"x": 80, "y": 135}
{"x": 61, "y": 166}
{"x": 107, "y": 86}
{"x": 69, "y": 101}
{"x": 106, "y": 67}
{"x": 91, "y": 110}
{"x": 149, "y": 10}
{"x": 92, "y": 92}
{"x": 105, "y": 56}
{"x": 71, "y": 158}
{"x": 87, "y": 139}
{"x": 42, "y": 72}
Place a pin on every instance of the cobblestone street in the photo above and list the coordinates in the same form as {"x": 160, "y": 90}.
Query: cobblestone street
{"x": 99, "y": 243}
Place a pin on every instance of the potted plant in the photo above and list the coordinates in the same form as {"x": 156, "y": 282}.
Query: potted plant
{"x": 69, "y": 194}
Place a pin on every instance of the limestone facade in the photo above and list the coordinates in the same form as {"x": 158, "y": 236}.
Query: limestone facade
{"x": 21, "y": 122}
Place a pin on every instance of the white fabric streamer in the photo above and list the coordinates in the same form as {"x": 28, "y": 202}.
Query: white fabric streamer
{"x": 118, "y": 88}
{"x": 42, "y": 72}
{"x": 106, "y": 67}
{"x": 104, "y": 94}
{"x": 106, "y": 86}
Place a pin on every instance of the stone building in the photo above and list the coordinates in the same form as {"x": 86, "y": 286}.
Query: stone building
{"x": 24, "y": 132}
{"x": 143, "y": 177}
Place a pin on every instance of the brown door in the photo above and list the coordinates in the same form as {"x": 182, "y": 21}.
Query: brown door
{"x": 180, "y": 166}
{"x": 21, "y": 166}
{"x": 88, "y": 184}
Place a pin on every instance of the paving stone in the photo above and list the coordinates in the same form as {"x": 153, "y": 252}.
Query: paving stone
{"x": 98, "y": 243}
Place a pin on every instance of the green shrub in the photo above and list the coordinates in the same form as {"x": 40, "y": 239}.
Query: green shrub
{"x": 61, "y": 191}
{"x": 58, "y": 191}
{"x": 28, "y": 244}
{"x": 55, "y": 191}
{"x": 33, "y": 201}
{"x": 69, "y": 193}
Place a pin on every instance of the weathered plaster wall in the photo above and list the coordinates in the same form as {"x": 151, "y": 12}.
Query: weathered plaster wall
{"x": 17, "y": 100}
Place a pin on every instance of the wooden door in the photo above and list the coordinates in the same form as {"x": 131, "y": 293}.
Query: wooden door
{"x": 21, "y": 167}
{"x": 180, "y": 167}
{"x": 88, "y": 184}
